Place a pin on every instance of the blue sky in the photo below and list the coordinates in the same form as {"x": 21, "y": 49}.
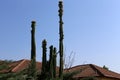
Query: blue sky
{"x": 91, "y": 29}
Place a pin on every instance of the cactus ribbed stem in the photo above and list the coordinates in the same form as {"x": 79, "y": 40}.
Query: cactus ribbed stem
{"x": 44, "y": 60}
{"x": 33, "y": 50}
{"x": 51, "y": 62}
{"x": 54, "y": 62}
{"x": 61, "y": 39}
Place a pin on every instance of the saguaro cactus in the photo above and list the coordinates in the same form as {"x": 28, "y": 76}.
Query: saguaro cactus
{"x": 33, "y": 50}
{"x": 44, "y": 60}
{"x": 54, "y": 62}
{"x": 61, "y": 39}
{"x": 51, "y": 62}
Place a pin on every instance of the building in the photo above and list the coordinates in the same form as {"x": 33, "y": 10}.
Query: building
{"x": 86, "y": 70}
{"x": 17, "y": 66}
{"x": 91, "y": 70}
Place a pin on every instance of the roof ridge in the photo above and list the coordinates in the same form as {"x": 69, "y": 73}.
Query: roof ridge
{"x": 22, "y": 61}
{"x": 77, "y": 66}
{"x": 95, "y": 69}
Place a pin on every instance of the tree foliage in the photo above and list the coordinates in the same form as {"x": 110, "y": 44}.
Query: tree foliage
{"x": 104, "y": 67}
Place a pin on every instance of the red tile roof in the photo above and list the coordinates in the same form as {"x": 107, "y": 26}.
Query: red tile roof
{"x": 89, "y": 70}
{"x": 19, "y": 66}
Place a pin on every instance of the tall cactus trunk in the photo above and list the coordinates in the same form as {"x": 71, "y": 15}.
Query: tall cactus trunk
{"x": 33, "y": 51}
{"x": 54, "y": 63}
{"x": 44, "y": 60}
{"x": 61, "y": 39}
{"x": 51, "y": 62}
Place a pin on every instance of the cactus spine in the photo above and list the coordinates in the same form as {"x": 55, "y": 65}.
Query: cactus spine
{"x": 61, "y": 39}
{"x": 44, "y": 60}
{"x": 33, "y": 51}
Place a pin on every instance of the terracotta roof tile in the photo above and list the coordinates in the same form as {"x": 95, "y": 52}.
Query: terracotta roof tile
{"x": 89, "y": 70}
{"x": 107, "y": 73}
{"x": 19, "y": 66}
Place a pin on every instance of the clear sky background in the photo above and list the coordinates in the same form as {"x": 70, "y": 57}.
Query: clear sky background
{"x": 91, "y": 29}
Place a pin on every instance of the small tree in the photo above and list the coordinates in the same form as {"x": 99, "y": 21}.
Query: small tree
{"x": 69, "y": 60}
{"x": 104, "y": 67}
